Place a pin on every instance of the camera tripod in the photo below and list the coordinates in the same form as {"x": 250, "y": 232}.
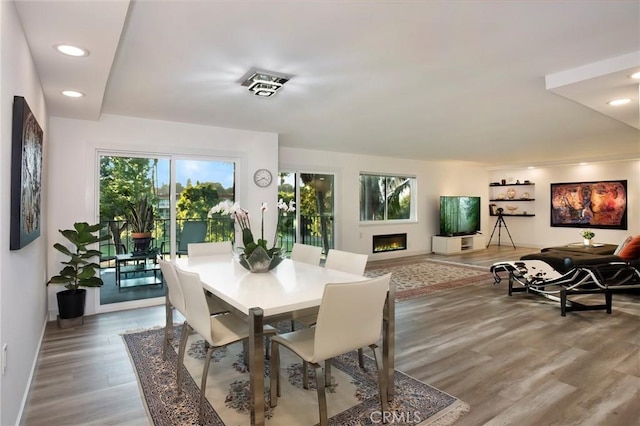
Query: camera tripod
{"x": 499, "y": 223}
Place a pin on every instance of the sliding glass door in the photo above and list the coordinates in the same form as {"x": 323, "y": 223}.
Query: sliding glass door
{"x": 181, "y": 192}
{"x": 130, "y": 273}
{"x": 314, "y": 218}
{"x": 200, "y": 185}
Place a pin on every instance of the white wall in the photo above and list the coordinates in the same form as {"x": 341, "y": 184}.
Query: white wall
{"x": 74, "y": 146}
{"x": 433, "y": 179}
{"x": 537, "y": 231}
{"x": 454, "y": 178}
{"x": 22, "y": 272}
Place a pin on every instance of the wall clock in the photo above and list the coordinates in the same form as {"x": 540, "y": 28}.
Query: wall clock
{"x": 262, "y": 178}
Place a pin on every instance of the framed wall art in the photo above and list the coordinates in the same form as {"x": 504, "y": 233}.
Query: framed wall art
{"x": 26, "y": 175}
{"x": 600, "y": 204}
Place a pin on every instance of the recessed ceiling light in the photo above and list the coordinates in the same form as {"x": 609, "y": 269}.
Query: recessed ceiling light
{"x": 621, "y": 101}
{"x": 70, "y": 50}
{"x": 72, "y": 93}
{"x": 635, "y": 75}
{"x": 583, "y": 164}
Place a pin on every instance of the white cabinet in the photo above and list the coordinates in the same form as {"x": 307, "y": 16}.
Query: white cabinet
{"x": 452, "y": 245}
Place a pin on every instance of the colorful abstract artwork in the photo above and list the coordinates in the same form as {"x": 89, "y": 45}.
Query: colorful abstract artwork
{"x": 600, "y": 204}
{"x": 26, "y": 175}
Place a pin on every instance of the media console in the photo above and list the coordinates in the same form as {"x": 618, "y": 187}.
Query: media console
{"x": 457, "y": 244}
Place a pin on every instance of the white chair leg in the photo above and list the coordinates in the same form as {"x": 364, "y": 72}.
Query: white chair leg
{"x": 186, "y": 330}
{"x": 267, "y": 346}
{"x": 327, "y": 372}
{"x": 322, "y": 396}
{"x": 361, "y": 358}
{"x": 382, "y": 380}
{"x": 203, "y": 384}
{"x": 245, "y": 353}
{"x": 167, "y": 329}
{"x": 305, "y": 375}
{"x": 275, "y": 374}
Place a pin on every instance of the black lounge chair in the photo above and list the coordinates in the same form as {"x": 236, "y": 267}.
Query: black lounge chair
{"x": 538, "y": 277}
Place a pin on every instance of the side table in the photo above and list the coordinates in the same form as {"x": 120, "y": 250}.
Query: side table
{"x": 139, "y": 264}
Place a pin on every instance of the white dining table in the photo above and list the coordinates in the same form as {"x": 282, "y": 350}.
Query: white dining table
{"x": 272, "y": 296}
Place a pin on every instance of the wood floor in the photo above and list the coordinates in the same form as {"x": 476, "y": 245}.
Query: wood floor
{"x": 514, "y": 360}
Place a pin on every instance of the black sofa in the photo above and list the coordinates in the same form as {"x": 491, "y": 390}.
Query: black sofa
{"x": 565, "y": 258}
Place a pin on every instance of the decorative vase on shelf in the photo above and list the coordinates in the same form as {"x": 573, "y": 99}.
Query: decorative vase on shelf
{"x": 511, "y": 193}
{"x": 587, "y": 242}
{"x": 259, "y": 260}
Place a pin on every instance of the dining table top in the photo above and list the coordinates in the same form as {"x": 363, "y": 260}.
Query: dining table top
{"x": 290, "y": 286}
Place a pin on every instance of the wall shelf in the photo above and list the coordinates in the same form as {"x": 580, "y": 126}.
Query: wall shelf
{"x": 512, "y": 184}
{"x": 499, "y": 198}
{"x": 512, "y": 199}
{"x": 513, "y": 215}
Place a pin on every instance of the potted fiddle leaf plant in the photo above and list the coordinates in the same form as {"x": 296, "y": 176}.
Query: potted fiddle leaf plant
{"x": 79, "y": 270}
{"x": 141, "y": 219}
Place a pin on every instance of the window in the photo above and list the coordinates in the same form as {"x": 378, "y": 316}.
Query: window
{"x": 386, "y": 197}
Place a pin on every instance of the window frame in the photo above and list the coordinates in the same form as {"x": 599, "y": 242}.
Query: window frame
{"x": 413, "y": 191}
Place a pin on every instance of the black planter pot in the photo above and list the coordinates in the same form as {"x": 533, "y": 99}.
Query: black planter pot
{"x": 71, "y": 303}
{"x": 141, "y": 242}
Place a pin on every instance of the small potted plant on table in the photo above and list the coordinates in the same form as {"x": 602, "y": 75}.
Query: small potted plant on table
{"x": 79, "y": 270}
{"x": 587, "y": 236}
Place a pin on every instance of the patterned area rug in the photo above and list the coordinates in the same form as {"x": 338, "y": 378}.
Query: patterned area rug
{"x": 424, "y": 277}
{"x": 352, "y": 398}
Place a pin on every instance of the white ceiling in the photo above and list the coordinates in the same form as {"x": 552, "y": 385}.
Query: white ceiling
{"x": 432, "y": 80}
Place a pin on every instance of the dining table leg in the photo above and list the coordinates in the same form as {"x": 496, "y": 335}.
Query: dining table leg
{"x": 256, "y": 366}
{"x": 388, "y": 342}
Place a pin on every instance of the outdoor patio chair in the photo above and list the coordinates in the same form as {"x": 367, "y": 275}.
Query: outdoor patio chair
{"x": 192, "y": 232}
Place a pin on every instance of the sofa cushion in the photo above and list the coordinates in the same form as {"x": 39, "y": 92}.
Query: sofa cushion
{"x": 564, "y": 261}
{"x": 631, "y": 250}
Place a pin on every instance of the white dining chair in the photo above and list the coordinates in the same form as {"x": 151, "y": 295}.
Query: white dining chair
{"x": 209, "y": 249}
{"x": 352, "y": 263}
{"x": 216, "y": 330}
{"x": 342, "y": 327}
{"x": 306, "y": 253}
{"x": 175, "y": 300}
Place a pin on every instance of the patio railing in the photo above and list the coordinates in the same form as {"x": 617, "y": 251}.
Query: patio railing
{"x": 218, "y": 229}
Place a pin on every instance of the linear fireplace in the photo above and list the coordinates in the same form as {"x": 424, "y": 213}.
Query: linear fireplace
{"x": 389, "y": 242}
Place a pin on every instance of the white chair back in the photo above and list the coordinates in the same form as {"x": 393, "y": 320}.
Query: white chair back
{"x": 306, "y": 253}
{"x": 209, "y": 249}
{"x": 352, "y": 263}
{"x": 350, "y": 317}
{"x": 197, "y": 314}
{"x": 176, "y": 298}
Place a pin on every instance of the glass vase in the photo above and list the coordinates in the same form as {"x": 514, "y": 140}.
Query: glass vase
{"x": 259, "y": 260}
